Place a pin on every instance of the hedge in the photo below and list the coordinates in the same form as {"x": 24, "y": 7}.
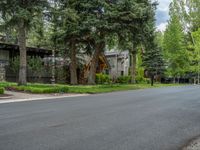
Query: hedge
{"x": 102, "y": 79}
{"x": 124, "y": 79}
{"x": 42, "y": 90}
{"x": 2, "y": 90}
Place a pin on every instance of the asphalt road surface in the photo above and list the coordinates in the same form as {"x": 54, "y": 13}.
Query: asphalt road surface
{"x": 150, "y": 119}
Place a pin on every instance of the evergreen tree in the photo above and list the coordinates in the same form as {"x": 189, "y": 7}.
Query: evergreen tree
{"x": 81, "y": 24}
{"x": 130, "y": 19}
{"x": 37, "y": 36}
{"x": 71, "y": 33}
{"x": 20, "y": 13}
{"x": 97, "y": 14}
{"x": 153, "y": 62}
{"x": 153, "y": 58}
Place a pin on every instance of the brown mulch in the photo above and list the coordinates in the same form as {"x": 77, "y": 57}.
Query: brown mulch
{"x": 12, "y": 89}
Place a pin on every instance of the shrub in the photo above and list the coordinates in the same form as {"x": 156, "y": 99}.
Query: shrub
{"x": 7, "y": 84}
{"x": 42, "y": 89}
{"x": 142, "y": 80}
{"x": 48, "y": 90}
{"x": 14, "y": 64}
{"x": 34, "y": 64}
{"x": 102, "y": 79}
{"x": 38, "y": 85}
{"x": 2, "y": 90}
{"x": 124, "y": 79}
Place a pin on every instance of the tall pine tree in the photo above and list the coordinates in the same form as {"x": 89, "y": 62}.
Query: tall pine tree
{"x": 130, "y": 19}
{"x": 19, "y": 14}
{"x": 153, "y": 58}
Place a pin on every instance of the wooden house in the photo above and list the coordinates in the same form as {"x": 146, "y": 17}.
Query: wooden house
{"x": 9, "y": 51}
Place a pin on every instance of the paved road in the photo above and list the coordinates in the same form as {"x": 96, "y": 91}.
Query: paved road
{"x": 151, "y": 119}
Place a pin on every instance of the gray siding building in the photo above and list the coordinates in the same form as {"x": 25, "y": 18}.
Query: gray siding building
{"x": 119, "y": 63}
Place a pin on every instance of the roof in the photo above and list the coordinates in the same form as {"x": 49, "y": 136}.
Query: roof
{"x": 7, "y": 46}
{"x": 116, "y": 53}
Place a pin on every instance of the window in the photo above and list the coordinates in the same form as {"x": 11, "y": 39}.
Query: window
{"x": 111, "y": 62}
{"x": 4, "y": 55}
{"x": 122, "y": 73}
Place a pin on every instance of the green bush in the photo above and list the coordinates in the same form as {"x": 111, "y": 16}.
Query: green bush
{"x": 102, "y": 79}
{"x": 38, "y": 85}
{"x": 34, "y": 64}
{"x": 42, "y": 89}
{"x": 124, "y": 79}
{"x": 2, "y": 90}
{"x": 48, "y": 90}
{"x": 7, "y": 84}
{"x": 142, "y": 80}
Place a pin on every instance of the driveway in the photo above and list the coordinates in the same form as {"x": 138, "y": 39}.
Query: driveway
{"x": 150, "y": 119}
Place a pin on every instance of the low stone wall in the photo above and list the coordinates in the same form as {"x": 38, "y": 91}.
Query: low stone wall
{"x": 2, "y": 72}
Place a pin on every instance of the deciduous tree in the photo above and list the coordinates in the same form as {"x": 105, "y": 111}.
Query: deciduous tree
{"x": 175, "y": 45}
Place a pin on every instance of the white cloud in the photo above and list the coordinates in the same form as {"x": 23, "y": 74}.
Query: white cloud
{"x": 162, "y": 27}
{"x": 164, "y": 5}
{"x": 162, "y": 14}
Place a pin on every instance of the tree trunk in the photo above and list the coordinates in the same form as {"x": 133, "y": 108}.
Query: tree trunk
{"x": 94, "y": 62}
{"x": 133, "y": 66}
{"x": 174, "y": 80}
{"x": 23, "y": 60}
{"x": 152, "y": 80}
{"x": 73, "y": 64}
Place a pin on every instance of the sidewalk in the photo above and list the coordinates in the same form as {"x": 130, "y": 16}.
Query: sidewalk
{"x": 20, "y": 96}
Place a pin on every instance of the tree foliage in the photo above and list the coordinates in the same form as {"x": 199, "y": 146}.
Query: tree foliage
{"x": 83, "y": 27}
{"x": 153, "y": 58}
{"x": 174, "y": 45}
{"x": 20, "y": 14}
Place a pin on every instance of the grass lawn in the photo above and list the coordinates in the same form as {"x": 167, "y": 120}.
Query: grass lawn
{"x": 81, "y": 89}
{"x": 113, "y": 88}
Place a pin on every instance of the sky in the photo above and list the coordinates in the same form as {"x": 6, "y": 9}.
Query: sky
{"x": 162, "y": 14}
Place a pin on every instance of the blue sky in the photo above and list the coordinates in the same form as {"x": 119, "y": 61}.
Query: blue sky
{"x": 162, "y": 14}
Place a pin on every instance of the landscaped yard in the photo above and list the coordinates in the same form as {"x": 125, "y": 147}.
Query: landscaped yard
{"x": 58, "y": 88}
{"x": 36, "y": 88}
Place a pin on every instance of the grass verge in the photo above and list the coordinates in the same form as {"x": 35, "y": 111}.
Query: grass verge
{"x": 113, "y": 88}
{"x": 81, "y": 89}
{"x": 35, "y": 88}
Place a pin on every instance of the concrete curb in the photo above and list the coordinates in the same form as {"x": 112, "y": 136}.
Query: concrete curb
{"x": 6, "y": 97}
{"x": 35, "y": 99}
